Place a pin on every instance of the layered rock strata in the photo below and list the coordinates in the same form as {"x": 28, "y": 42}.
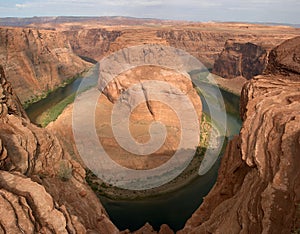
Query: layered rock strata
{"x": 42, "y": 190}
{"x": 241, "y": 59}
{"x": 37, "y": 61}
{"x": 258, "y": 187}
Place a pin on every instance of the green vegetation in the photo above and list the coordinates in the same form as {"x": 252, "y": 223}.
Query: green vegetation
{"x": 188, "y": 175}
{"x": 65, "y": 171}
{"x": 35, "y": 98}
{"x": 52, "y": 113}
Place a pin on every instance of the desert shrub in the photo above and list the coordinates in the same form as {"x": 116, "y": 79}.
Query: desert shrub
{"x": 65, "y": 171}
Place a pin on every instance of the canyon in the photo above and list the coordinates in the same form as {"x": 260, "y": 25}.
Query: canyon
{"x": 37, "y": 61}
{"x": 46, "y": 53}
{"x": 257, "y": 190}
{"x": 43, "y": 187}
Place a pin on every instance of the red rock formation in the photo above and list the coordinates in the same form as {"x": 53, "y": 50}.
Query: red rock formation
{"x": 141, "y": 117}
{"x": 42, "y": 189}
{"x": 258, "y": 187}
{"x": 240, "y": 59}
{"x": 205, "y": 41}
{"x": 91, "y": 43}
{"x": 285, "y": 58}
{"x": 204, "y": 45}
{"x": 37, "y": 61}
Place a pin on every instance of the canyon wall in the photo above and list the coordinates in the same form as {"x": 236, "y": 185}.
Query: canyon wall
{"x": 39, "y": 59}
{"x": 42, "y": 189}
{"x": 284, "y": 59}
{"x": 258, "y": 186}
{"x": 240, "y": 59}
{"x": 204, "y": 45}
{"x": 206, "y": 41}
{"x": 91, "y": 43}
{"x": 248, "y": 58}
{"x": 36, "y": 61}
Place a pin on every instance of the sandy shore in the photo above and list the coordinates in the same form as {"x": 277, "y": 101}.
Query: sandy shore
{"x": 186, "y": 177}
{"x": 189, "y": 174}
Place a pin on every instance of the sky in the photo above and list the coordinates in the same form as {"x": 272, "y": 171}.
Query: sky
{"x": 277, "y": 11}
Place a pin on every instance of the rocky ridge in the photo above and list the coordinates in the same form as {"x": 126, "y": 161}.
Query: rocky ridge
{"x": 241, "y": 59}
{"x": 257, "y": 190}
{"x": 42, "y": 190}
{"x": 37, "y": 61}
{"x": 40, "y": 58}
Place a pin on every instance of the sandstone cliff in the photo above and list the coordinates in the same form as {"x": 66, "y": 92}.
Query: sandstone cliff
{"x": 43, "y": 57}
{"x": 42, "y": 190}
{"x": 285, "y": 59}
{"x": 258, "y": 187}
{"x": 37, "y": 61}
{"x": 240, "y": 59}
{"x": 91, "y": 43}
{"x": 206, "y": 41}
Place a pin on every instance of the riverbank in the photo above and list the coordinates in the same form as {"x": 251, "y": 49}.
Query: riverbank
{"x": 45, "y": 94}
{"x": 187, "y": 176}
{"x": 102, "y": 189}
{"x": 233, "y": 86}
{"x": 51, "y": 106}
{"x": 52, "y": 114}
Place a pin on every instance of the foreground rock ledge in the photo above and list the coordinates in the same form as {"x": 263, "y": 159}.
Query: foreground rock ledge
{"x": 42, "y": 190}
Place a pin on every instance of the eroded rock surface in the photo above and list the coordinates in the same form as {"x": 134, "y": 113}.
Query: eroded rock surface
{"x": 258, "y": 187}
{"x": 36, "y": 61}
{"x": 142, "y": 115}
{"x": 42, "y": 190}
{"x": 91, "y": 43}
{"x": 241, "y": 59}
{"x": 40, "y": 58}
{"x": 285, "y": 59}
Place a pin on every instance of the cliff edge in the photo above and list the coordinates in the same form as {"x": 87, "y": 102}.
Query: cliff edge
{"x": 258, "y": 187}
{"x": 42, "y": 190}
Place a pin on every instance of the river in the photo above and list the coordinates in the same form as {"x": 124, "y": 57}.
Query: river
{"x": 173, "y": 208}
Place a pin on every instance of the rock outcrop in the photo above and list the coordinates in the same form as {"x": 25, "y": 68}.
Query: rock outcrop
{"x": 258, "y": 186}
{"x": 240, "y": 59}
{"x": 37, "y": 61}
{"x": 91, "y": 43}
{"x": 141, "y": 117}
{"x": 285, "y": 59}
{"x": 206, "y": 41}
{"x": 151, "y": 108}
{"x": 42, "y": 190}
{"x": 42, "y": 187}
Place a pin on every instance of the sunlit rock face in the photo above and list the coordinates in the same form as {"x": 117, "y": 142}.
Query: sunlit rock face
{"x": 285, "y": 59}
{"x": 258, "y": 187}
{"x": 36, "y": 61}
{"x": 132, "y": 88}
{"x": 42, "y": 190}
